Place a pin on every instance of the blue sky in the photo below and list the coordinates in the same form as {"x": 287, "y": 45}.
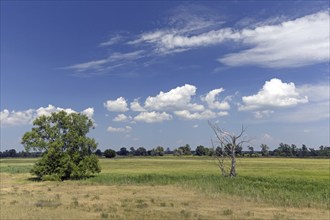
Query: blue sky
{"x": 154, "y": 73}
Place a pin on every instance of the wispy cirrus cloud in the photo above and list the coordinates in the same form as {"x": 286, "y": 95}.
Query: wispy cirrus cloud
{"x": 276, "y": 42}
{"x": 113, "y": 40}
{"x": 114, "y": 61}
{"x": 291, "y": 43}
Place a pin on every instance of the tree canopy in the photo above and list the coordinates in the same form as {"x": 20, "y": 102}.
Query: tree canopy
{"x": 67, "y": 153}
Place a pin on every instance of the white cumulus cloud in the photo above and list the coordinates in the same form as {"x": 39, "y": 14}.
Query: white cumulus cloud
{"x": 135, "y": 106}
{"x": 318, "y": 107}
{"x": 274, "y": 93}
{"x": 263, "y": 114}
{"x": 15, "y": 118}
{"x": 89, "y": 112}
{"x": 121, "y": 118}
{"x": 152, "y": 117}
{"x": 175, "y": 99}
{"x": 213, "y": 103}
{"x": 118, "y": 105}
{"x": 207, "y": 114}
{"x": 125, "y": 129}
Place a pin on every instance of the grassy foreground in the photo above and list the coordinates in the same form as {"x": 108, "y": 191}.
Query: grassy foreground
{"x": 172, "y": 188}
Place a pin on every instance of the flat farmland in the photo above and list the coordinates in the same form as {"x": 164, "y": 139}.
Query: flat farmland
{"x": 172, "y": 188}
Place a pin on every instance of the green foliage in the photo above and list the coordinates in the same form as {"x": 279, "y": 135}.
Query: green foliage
{"x": 141, "y": 151}
{"x": 123, "y": 151}
{"x": 183, "y": 150}
{"x": 264, "y": 149}
{"x": 158, "y": 151}
{"x": 67, "y": 151}
{"x": 109, "y": 153}
{"x": 98, "y": 153}
{"x": 200, "y": 151}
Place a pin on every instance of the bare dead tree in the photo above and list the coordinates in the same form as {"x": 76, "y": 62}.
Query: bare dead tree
{"x": 228, "y": 143}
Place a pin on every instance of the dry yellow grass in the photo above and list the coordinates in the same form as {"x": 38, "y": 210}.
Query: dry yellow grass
{"x": 22, "y": 199}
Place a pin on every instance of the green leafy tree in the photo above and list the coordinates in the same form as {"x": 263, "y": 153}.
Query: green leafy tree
{"x": 132, "y": 151}
{"x": 141, "y": 151}
{"x": 264, "y": 150}
{"x": 123, "y": 151}
{"x": 186, "y": 150}
{"x": 177, "y": 152}
{"x": 251, "y": 149}
{"x": 158, "y": 151}
{"x": 98, "y": 153}
{"x": 304, "y": 151}
{"x": 67, "y": 151}
{"x": 200, "y": 150}
{"x": 109, "y": 153}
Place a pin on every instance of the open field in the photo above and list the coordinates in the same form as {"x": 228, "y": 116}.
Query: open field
{"x": 172, "y": 188}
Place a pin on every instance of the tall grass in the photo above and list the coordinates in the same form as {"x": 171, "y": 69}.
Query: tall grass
{"x": 283, "y": 192}
{"x": 279, "y": 181}
{"x": 284, "y": 182}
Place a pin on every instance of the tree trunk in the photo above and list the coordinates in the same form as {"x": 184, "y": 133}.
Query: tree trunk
{"x": 233, "y": 158}
{"x": 233, "y": 165}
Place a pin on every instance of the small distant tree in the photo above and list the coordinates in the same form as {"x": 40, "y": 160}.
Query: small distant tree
{"x": 123, "y": 151}
{"x": 132, "y": 151}
{"x": 67, "y": 151}
{"x": 168, "y": 151}
{"x": 141, "y": 151}
{"x": 98, "y": 153}
{"x": 186, "y": 150}
{"x": 12, "y": 153}
{"x": 158, "y": 151}
{"x": 177, "y": 152}
{"x": 229, "y": 143}
{"x": 209, "y": 151}
{"x": 304, "y": 151}
{"x": 200, "y": 150}
{"x": 264, "y": 150}
{"x": 251, "y": 149}
{"x": 109, "y": 153}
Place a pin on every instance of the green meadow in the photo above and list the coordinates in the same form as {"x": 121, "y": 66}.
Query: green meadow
{"x": 153, "y": 187}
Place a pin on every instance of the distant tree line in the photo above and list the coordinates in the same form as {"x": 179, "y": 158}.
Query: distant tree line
{"x": 284, "y": 150}
{"x": 22, "y": 154}
{"x": 140, "y": 151}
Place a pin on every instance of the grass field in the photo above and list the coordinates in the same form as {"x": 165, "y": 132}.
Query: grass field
{"x": 172, "y": 188}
